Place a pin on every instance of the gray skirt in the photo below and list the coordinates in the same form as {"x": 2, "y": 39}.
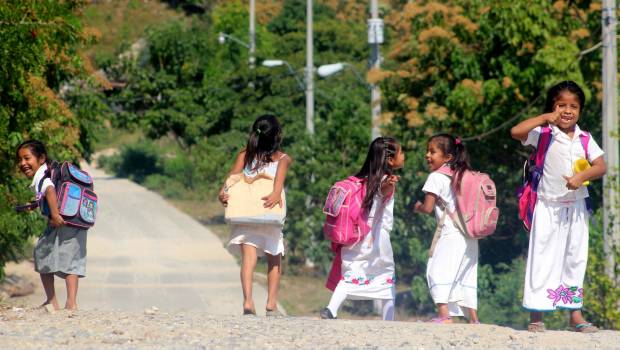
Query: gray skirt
{"x": 61, "y": 251}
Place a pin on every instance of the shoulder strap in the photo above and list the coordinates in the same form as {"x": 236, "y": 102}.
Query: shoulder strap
{"x": 437, "y": 234}
{"x": 46, "y": 175}
{"x": 544, "y": 140}
{"x": 584, "y": 137}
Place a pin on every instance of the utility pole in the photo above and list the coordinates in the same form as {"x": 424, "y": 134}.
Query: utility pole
{"x": 252, "y": 48}
{"x": 309, "y": 71}
{"x": 375, "y": 38}
{"x": 611, "y": 203}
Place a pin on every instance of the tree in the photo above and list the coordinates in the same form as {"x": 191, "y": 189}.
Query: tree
{"x": 38, "y": 52}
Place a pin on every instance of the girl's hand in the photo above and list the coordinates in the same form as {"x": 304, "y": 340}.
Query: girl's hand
{"x": 56, "y": 220}
{"x": 573, "y": 182}
{"x": 389, "y": 185}
{"x": 272, "y": 199}
{"x": 552, "y": 118}
{"x": 417, "y": 206}
{"x": 223, "y": 197}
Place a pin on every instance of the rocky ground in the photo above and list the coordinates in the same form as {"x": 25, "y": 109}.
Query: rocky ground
{"x": 22, "y": 328}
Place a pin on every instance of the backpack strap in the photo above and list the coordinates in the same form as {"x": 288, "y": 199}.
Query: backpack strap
{"x": 437, "y": 232}
{"x": 544, "y": 140}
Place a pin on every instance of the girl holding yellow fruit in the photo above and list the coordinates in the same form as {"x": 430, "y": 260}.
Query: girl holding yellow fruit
{"x": 558, "y": 249}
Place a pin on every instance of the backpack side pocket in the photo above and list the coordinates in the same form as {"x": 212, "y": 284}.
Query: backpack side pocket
{"x": 88, "y": 207}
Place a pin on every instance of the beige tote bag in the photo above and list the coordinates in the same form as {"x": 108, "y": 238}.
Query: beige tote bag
{"x": 245, "y": 205}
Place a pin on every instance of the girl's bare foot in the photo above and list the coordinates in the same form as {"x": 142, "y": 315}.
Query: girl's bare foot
{"x": 248, "y": 308}
{"x": 53, "y": 304}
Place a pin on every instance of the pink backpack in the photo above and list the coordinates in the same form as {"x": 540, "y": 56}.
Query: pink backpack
{"x": 476, "y": 212}
{"x": 346, "y": 221}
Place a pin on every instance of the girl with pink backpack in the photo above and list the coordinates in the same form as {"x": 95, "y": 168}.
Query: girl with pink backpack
{"x": 365, "y": 269}
{"x": 558, "y": 249}
{"x": 452, "y": 268}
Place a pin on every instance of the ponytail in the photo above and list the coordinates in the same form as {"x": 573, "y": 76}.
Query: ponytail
{"x": 376, "y": 166}
{"x": 453, "y": 146}
{"x": 263, "y": 141}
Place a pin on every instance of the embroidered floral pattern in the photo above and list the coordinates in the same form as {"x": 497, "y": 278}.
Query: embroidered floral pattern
{"x": 390, "y": 280}
{"x": 365, "y": 280}
{"x": 568, "y": 295}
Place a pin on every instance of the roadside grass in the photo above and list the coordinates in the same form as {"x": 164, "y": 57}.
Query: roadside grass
{"x": 112, "y": 138}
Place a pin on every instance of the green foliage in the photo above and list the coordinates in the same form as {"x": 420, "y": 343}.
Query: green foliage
{"x": 602, "y": 293}
{"x": 38, "y": 52}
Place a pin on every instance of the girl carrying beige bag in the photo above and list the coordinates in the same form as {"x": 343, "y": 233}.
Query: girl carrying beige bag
{"x": 256, "y": 208}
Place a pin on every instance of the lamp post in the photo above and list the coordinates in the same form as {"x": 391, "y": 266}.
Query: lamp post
{"x": 375, "y": 38}
{"x": 252, "y": 37}
{"x": 309, "y": 70}
{"x": 611, "y": 200}
{"x": 251, "y": 44}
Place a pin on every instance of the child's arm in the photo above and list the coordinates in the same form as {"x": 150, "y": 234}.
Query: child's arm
{"x": 236, "y": 169}
{"x": 278, "y": 184}
{"x": 521, "y": 130}
{"x": 52, "y": 201}
{"x": 596, "y": 171}
{"x": 428, "y": 205}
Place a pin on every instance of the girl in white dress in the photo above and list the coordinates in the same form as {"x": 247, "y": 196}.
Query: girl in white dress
{"x": 558, "y": 249}
{"x": 262, "y": 155}
{"x": 452, "y": 268}
{"x": 367, "y": 267}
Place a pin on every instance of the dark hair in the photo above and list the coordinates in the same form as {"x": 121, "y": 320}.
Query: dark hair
{"x": 263, "y": 142}
{"x": 36, "y": 147}
{"x": 557, "y": 89}
{"x": 450, "y": 145}
{"x": 376, "y": 166}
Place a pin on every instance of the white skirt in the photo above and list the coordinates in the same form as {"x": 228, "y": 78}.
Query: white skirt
{"x": 266, "y": 238}
{"x": 557, "y": 256}
{"x": 452, "y": 272}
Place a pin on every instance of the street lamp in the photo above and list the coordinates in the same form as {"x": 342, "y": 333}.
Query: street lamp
{"x": 327, "y": 70}
{"x": 278, "y": 63}
{"x": 223, "y": 37}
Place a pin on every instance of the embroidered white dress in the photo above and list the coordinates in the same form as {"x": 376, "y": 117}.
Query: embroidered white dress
{"x": 267, "y": 239}
{"x": 558, "y": 248}
{"x": 368, "y": 270}
{"x": 452, "y": 271}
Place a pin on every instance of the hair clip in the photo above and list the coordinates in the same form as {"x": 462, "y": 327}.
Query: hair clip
{"x": 457, "y": 141}
{"x": 258, "y": 131}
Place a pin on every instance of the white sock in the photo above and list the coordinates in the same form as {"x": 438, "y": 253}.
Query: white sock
{"x": 338, "y": 297}
{"x": 388, "y": 309}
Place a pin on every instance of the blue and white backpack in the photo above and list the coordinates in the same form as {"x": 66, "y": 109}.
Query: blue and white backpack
{"x": 77, "y": 201}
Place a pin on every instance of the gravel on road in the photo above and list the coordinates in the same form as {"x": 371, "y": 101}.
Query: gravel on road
{"x": 152, "y": 328}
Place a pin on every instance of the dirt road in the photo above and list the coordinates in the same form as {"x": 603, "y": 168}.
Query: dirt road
{"x": 143, "y": 252}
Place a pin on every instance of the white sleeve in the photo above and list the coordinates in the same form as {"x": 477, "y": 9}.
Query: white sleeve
{"x": 434, "y": 184}
{"x": 532, "y": 137}
{"x": 46, "y": 183}
{"x": 594, "y": 151}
